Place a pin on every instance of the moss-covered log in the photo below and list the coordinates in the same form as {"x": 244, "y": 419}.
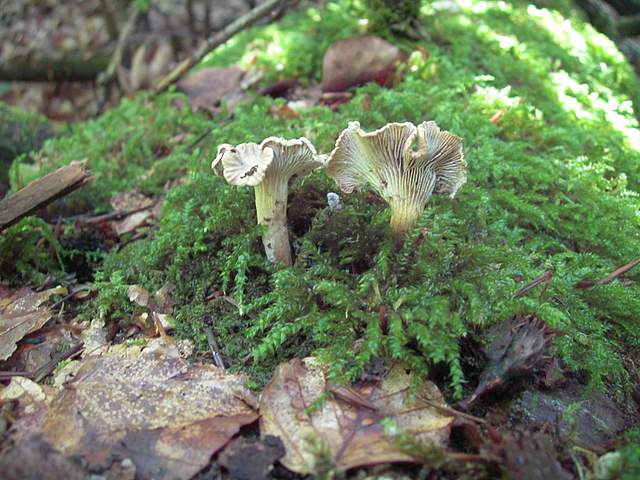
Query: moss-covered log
{"x": 76, "y": 67}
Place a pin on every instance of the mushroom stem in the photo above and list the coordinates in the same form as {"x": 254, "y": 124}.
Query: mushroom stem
{"x": 271, "y": 209}
{"x": 408, "y": 204}
{"x": 404, "y": 215}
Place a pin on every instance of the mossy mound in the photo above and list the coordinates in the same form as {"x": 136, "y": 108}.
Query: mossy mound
{"x": 20, "y": 132}
{"x": 543, "y": 103}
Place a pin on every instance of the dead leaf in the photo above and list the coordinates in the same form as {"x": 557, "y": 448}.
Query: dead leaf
{"x": 29, "y": 395}
{"x": 495, "y": 118}
{"x": 138, "y": 295}
{"x": 518, "y": 346}
{"x": 355, "y": 61}
{"x": 146, "y": 404}
{"x": 148, "y": 66}
{"x": 163, "y": 301}
{"x": 22, "y": 313}
{"x": 205, "y": 88}
{"x": 262, "y": 452}
{"x": 139, "y": 206}
{"x": 280, "y": 89}
{"x": 283, "y": 111}
{"x": 352, "y": 432}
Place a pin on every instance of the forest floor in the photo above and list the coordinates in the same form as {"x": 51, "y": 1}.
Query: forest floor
{"x": 144, "y": 333}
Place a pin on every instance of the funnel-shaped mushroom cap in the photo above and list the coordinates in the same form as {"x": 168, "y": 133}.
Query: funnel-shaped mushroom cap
{"x": 292, "y": 157}
{"x": 404, "y": 177}
{"x": 244, "y": 164}
{"x": 444, "y": 154}
{"x": 268, "y": 167}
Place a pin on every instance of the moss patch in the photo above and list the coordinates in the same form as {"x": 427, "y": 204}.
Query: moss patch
{"x": 543, "y": 103}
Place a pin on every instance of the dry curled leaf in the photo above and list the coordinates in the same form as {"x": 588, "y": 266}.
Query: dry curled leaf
{"x": 356, "y": 61}
{"x": 21, "y": 313}
{"x": 206, "y": 87}
{"x": 138, "y": 295}
{"x": 146, "y": 404}
{"x": 518, "y": 346}
{"x": 351, "y": 431}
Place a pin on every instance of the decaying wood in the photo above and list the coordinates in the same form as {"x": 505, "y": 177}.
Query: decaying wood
{"x": 41, "y": 192}
{"x": 219, "y": 38}
{"x": 80, "y": 66}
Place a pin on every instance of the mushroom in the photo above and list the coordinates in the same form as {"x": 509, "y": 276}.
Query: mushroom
{"x": 268, "y": 167}
{"x": 405, "y": 178}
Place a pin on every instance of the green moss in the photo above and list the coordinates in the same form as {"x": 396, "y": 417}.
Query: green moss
{"x": 543, "y": 103}
{"x": 29, "y": 252}
{"x": 127, "y": 148}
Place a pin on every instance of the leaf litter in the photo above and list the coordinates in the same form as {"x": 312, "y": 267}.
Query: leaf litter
{"x": 22, "y": 312}
{"x": 146, "y": 405}
{"x": 353, "y": 427}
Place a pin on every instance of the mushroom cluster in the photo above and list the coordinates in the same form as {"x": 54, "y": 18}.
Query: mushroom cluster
{"x": 385, "y": 160}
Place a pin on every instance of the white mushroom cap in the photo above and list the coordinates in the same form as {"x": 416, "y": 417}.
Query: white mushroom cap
{"x": 405, "y": 178}
{"x": 442, "y": 151}
{"x": 244, "y": 164}
{"x": 268, "y": 167}
{"x": 292, "y": 157}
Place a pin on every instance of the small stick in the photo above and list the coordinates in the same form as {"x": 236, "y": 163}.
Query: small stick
{"x": 44, "y": 371}
{"x": 611, "y": 277}
{"x": 544, "y": 278}
{"x": 105, "y": 78}
{"x": 8, "y": 375}
{"x": 95, "y": 220}
{"x": 218, "y": 39}
{"x": 213, "y": 346}
{"x": 452, "y": 411}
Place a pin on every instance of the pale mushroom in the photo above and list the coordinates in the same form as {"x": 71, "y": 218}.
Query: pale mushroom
{"x": 268, "y": 167}
{"x": 405, "y": 178}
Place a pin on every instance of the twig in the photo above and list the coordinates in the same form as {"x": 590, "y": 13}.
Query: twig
{"x": 611, "y": 277}
{"x": 219, "y": 38}
{"x": 452, "y": 411}
{"x": 105, "y": 78}
{"x": 44, "y": 370}
{"x": 109, "y": 19}
{"x": 544, "y": 278}
{"x": 105, "y": 217}
{"x": 215, "y": 350}
{"x": 8, "y": 375}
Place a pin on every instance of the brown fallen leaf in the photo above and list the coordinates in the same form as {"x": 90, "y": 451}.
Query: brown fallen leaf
{"x": 138, "y": 295}
{"x": 140, "y": 208}
{"x": 352, "y": 432}
{"x": 283, "y": 111}
{"x": 355, "y": 61}
{"x": 21, "y": 313}
{"x": 205, "y": 88}
{"x": 146, "y": 404}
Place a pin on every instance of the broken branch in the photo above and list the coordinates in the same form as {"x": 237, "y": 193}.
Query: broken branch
{"x": 41, "y": 192}
{"x": 219, "y": 38}
{"x": 611, "y": 277}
